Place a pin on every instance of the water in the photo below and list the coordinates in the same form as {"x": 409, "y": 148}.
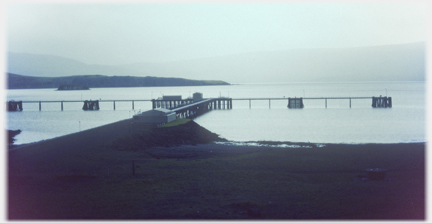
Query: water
{"x": 338, "y": 123}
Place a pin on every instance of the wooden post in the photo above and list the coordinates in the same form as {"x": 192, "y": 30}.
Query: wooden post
{"x": 114, "y": 104}
{"x": 133, "y": 105}
{"x": 62, "y": 106}
{"x": 40, "y": 106}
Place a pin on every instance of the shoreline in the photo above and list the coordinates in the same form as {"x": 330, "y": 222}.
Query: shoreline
{"x": 268, "y": 143}
{"x": 115, "y": 172}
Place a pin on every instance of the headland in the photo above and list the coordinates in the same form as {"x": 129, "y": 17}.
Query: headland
{"x": 124, "y": 171}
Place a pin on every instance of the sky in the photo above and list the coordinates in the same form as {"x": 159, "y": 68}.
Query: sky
{"x": 121, "y": 33}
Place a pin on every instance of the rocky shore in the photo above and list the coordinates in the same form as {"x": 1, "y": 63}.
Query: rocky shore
{"x": 121, "y": 171}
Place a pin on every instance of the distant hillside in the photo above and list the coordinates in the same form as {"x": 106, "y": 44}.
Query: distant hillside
{"x": 403, "y": 62}
{"x": 16, "y": 81}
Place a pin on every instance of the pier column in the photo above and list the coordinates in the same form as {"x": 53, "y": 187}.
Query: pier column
{"x": 381, "y": 102}
{"x": 249, "y": 103}
{"x": 350, "y": 102}
{"x": 269, "y": 103}
{"x": 14, "y": 106}
{"x": 133, "y": 105}
{"x": 153, "y": 104}
{"x": 295, "y": 103}
{"x": 326, "y": 102}
{"x": 61, "y": 106}
{"x": 40, "y": 106}
{"x": 114, "y": 104}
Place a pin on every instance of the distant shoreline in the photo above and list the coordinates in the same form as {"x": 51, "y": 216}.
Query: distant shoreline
{"x": 16, "y": 81}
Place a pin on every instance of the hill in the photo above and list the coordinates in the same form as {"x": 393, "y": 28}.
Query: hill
{"x": 16, "y": 81}
{"x": 403, "y": 62}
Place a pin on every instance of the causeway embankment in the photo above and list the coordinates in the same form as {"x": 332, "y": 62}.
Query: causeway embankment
{"x": 126, "y": 171}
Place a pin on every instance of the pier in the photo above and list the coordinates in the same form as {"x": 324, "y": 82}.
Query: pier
{"x": 184, "y": 107}
{"x": 200, "y": 107}
{"x": 377, "y": 102}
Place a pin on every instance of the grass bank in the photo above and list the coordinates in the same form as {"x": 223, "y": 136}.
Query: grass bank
{"x": 83, "y": 176}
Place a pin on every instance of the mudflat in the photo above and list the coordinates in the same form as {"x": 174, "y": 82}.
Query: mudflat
{"x": 125, "y": 171}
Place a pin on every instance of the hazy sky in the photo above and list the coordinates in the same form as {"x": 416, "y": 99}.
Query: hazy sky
{"x": 113, "y": 33}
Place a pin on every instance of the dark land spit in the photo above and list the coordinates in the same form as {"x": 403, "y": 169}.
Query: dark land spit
{"x": 125, "y": 171}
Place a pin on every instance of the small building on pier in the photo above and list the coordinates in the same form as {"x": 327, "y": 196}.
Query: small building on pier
{"x": 156, "y": 116}
{"x": 197, "y": 96}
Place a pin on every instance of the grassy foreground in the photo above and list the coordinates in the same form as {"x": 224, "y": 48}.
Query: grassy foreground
{"x": 104, "y": 173}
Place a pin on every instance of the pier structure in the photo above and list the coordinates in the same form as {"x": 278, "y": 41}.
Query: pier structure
{"x": 170, "y": 104}
{"x": 381, "y": 102}
{"x": 190, "y": 108}
{"x": 295, "y": 103}
{"x": 214, "y": 103}
{"x": 90, "y": 105}
{"x": 14, "y": 106}
{"x": 299, "y": 102}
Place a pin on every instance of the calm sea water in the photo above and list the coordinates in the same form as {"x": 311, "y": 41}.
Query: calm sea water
{"x": 338, "y": 123}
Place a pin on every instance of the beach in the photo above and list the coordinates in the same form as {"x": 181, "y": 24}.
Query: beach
{"x": 127, "y": 171}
